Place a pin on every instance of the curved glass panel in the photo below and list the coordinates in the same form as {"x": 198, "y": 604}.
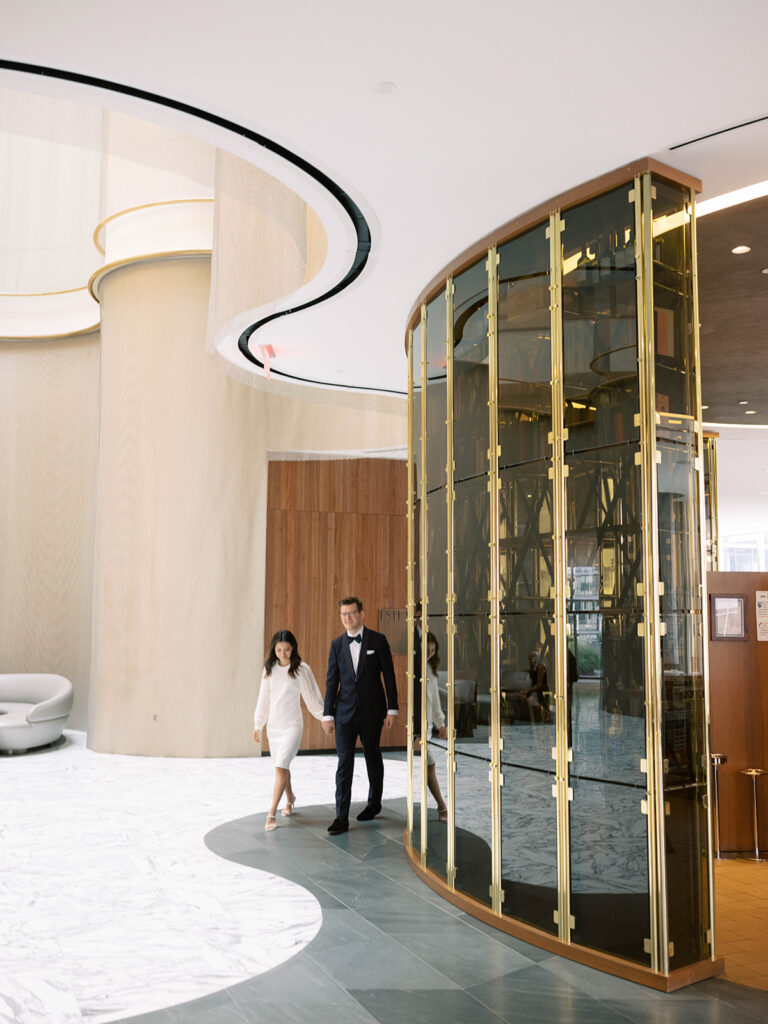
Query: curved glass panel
{"x": 416, "y": 408}
{"x": 684, "y": 726}
{"x": 436, "y": 744}
{"x": 606, "y": 703}
{"x": 572, "y": 792}
{"x": 600, "y": 323}
{"x": 525, "y": 358}
{"x": 527, "y": 573}
{"x": 673, "y": 302}
{"x": 436, "y": 393}
{"x": 470, "y": 372}
{"x": 472, "y": 721}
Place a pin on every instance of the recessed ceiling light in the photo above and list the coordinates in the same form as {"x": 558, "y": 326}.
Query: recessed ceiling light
{"x": 750, "y": 412}
{"x": 740, "y": 250}
{"x": 706, "y": 407}
{"x": 743, "y": 403}
{"x": 764, "y": 270}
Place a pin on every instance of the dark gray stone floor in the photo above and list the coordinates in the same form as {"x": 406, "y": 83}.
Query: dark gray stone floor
{"x": 390, "y": 950}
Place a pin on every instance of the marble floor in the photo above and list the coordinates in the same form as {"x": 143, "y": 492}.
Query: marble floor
{"x": 147, "y": 889}
{"x": 110, "y": 902}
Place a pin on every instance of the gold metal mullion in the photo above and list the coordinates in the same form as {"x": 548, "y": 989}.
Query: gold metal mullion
{"x": 703, "y": 556}
{"x": 657, "y": 874}
{"x": 564, "y": 921}
{"x": 710, "y": 457}
{"x": 494, "y": 625}
{"x": 424, "y": 579}
{"x": 409, "y": 573}
{"x": 450, "y": 867}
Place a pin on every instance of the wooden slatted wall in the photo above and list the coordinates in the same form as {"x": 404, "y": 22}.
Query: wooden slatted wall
{"x": 334, "y": 528}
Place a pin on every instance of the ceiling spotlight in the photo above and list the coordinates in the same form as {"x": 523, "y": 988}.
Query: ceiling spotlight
{"x": 740, "y": 250}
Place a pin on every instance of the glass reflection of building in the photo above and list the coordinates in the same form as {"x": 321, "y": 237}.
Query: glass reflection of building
{"x": 556, "y": 512}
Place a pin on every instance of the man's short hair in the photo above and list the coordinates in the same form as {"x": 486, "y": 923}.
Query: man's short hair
{"x": 352, "y": 600}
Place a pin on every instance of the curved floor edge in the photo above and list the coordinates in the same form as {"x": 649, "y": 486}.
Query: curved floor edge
{"x": 390, "y": 950}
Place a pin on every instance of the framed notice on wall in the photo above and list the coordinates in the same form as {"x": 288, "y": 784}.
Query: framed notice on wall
{"x": 727, "y": 617}
{"x": 761, "y": 612}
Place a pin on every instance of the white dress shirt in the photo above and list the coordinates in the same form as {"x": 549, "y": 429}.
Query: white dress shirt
{"x": 354, "y": 649}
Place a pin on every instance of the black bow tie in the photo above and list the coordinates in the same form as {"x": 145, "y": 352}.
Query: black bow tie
{"x": 354, "y": 639}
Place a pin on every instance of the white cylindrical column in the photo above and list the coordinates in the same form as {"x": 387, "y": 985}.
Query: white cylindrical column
{"x": 177, "y": 605}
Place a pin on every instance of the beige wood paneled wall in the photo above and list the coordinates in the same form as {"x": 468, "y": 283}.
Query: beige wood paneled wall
{"x": 738, "y": 686}
{"x": 334, "y": 528}
{"x": 49, "y": 432}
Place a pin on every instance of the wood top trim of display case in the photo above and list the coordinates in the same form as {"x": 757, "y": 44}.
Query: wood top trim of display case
{"x": 614, "y": 965}
{"x": 538, "y": 214}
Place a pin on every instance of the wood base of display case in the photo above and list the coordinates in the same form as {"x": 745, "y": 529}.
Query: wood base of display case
{"x": 589, "y": 957}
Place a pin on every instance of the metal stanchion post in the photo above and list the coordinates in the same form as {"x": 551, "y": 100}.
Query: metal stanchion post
{"x": 755, "y": 773}
{"x": 717, "y": 760}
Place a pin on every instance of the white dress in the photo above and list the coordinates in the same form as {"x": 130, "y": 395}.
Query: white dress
{"x": 435, "y": 714}
{"x": 279, "y": 707}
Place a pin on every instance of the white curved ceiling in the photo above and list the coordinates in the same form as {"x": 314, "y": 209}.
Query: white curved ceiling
{"x": 497, "y": 106}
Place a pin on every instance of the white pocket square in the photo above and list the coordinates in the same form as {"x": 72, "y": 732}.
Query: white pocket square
{"x": 370, "y": 652}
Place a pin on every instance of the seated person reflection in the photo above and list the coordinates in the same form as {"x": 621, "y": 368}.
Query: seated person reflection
{"x": 533, "y": 702}
{"x": 435, "y": 719}
{"x": 538, "y": 692}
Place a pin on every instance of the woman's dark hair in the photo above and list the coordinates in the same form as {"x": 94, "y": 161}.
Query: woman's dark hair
{"x": 434, "y": 661}
{"x": 283, "y": 636}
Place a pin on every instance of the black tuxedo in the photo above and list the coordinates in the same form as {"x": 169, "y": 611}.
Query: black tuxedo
{"x": 359, "y": 703}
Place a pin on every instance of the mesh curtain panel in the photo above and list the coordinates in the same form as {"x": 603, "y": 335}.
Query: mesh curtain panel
{"x": 50, "y": 168}
{"x": 146, "y": 163}
{"x": 267, "y": 243}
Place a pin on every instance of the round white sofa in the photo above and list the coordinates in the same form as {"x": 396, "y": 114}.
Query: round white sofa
{"x": 34, "y": 708}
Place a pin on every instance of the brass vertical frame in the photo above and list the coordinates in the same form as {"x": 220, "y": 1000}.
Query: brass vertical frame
{"x": 657, "y": 874}
{"x": 558, "y": 473}
{"x": 703, "y": 556}
{"x": 494, "y": 623}
{"x": 409, "y": 576}
{"x": 450, "y": 626}
{"x": 424, "y": 595}
{"x": 710, "y": 473}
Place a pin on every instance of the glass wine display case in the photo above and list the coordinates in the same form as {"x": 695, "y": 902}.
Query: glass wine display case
{"x": 556, "y": 592}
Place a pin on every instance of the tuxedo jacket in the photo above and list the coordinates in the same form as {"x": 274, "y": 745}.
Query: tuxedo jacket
{"x": 347, "y": 693}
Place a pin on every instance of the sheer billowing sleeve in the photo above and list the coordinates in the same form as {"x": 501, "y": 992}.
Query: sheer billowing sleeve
{"x": 261, "y": 714}
{"x": 310, "y": 691}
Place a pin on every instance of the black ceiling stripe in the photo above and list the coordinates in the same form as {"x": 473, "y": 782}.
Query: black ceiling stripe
{"x": 721, "y": 131}
{"x": 360, "y": 224}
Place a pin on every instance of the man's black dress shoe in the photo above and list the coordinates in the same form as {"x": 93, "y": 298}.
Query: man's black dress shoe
{"x": 369, "y": 813}
{"x": 338, "y": 826}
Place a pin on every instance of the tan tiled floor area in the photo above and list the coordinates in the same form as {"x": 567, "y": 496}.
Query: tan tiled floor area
{"x": 741, "y": 920}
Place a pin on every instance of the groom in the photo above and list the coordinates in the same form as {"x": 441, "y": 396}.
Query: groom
{"x": 356, "y": 705}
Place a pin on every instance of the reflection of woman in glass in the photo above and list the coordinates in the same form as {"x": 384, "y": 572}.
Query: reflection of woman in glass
{"x": 435, "y": 717}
